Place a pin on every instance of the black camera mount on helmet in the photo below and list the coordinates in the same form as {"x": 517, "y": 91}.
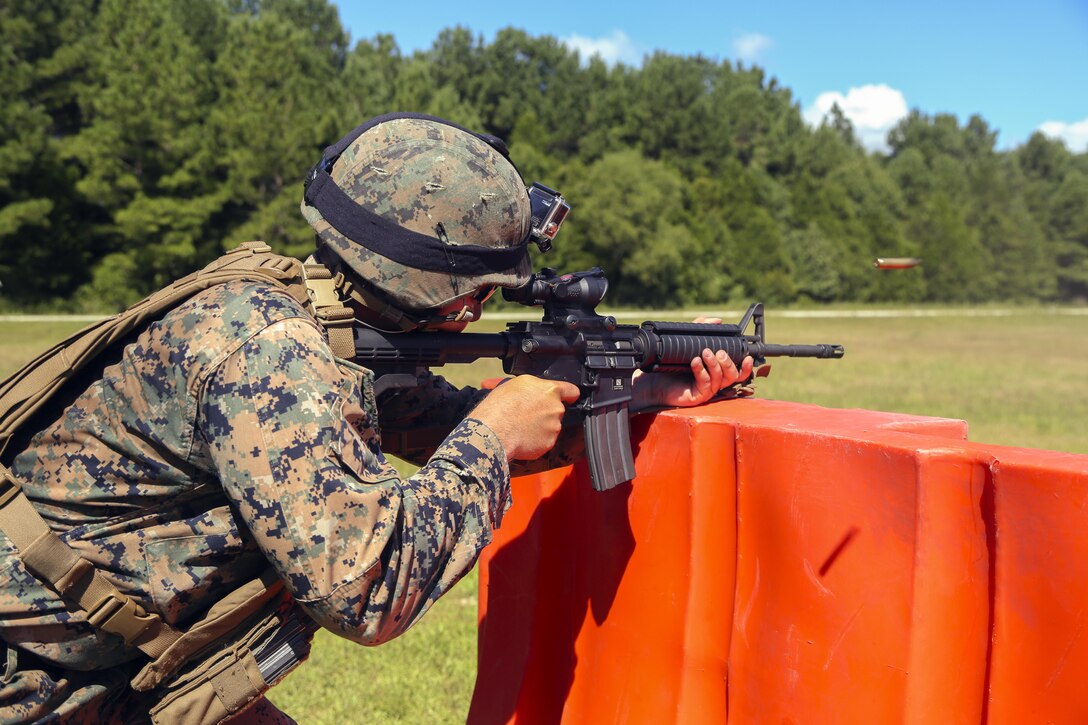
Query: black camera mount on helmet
{"x": 549, "y": 209}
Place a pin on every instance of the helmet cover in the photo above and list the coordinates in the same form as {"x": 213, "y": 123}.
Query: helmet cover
{"x": 438, "y": 180}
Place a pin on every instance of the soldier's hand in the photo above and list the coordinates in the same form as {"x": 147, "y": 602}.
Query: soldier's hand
{"x": 710, "y": 373}
{"x": 526, "y": 414}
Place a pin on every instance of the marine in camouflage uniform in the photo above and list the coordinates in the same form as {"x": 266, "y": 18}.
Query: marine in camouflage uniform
{"x": 229, "y": 436}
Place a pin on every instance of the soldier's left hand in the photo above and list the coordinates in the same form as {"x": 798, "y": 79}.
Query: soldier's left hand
{"x": 710, "y": 374}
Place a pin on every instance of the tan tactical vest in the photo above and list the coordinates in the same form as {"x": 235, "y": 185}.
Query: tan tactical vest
{"x": 248, "y": 641}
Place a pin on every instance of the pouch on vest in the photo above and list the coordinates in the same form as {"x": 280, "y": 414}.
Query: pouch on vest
{"x": 218, "y": 684}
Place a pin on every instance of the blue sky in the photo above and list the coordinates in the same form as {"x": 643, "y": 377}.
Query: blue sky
{"x": 1021, "y": 64}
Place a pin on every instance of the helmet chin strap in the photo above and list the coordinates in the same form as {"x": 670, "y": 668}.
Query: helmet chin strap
{"x": 465, "y": 315}
{"x": 387, "y": 317}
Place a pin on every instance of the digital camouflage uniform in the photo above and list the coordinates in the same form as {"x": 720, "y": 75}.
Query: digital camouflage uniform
{"x": 229, "y": 436}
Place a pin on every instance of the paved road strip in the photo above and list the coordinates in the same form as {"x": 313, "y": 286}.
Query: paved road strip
{"x": 51, "y": 318}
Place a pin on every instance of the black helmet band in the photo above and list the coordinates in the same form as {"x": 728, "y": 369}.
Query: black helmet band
{"x": 384, "y": 237}
{"x": 423, "y": 251}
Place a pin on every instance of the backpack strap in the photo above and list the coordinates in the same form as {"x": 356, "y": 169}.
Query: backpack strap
{"x": 75, "y": 578}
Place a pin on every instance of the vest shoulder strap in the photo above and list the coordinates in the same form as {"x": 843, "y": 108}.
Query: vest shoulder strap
{"x": 28, "y": 389}
{"x": 336, "y": 317}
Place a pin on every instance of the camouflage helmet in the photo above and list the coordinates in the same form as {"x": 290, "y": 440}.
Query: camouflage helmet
{"x": 420, "y": 210}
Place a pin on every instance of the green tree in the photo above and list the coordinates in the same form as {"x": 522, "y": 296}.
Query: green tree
{"x": 671, "y": 118}
{"x": 141, "y": 138}
{"x": 1069, "y": 222}
{"x": 631, "y": 220}
{"x": 271, "y": 121}
{"x": 516, "y": 73}
{"x": 46, "y": 237}
{"x": 368, "y": 82}
{"x": 745, "y": 206}
{"x": 416, "y": 90}
{"x": 144, "y": 150}
{"x": 955, "y": 260}
{"x": 813, "y": 264}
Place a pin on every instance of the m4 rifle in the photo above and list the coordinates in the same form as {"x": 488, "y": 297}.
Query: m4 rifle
{"x": 573, "y": 343}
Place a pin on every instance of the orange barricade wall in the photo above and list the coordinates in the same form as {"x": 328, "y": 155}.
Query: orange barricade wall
{"x": 784, "y": 563}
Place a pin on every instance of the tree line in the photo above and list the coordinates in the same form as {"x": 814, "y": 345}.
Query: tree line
{"x": 144, "y": 137}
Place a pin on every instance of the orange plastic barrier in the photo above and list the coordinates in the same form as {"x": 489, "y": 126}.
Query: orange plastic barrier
{"x": 783, "y": 563}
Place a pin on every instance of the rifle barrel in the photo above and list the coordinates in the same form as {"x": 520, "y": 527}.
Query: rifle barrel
{"x": 819, "y": 350}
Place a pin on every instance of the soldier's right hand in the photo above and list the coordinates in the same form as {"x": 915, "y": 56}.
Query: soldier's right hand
{"x": 526, "y": 414}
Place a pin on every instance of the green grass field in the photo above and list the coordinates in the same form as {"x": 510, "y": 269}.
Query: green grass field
{"x": 1019, "y": 379}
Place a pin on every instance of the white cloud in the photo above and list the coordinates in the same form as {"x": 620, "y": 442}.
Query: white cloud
{"x": 750, "y": 47}
{"x": 1075, "y": 135}
{"x": 613, "y": 48}
{"x": 872, "y": 109}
